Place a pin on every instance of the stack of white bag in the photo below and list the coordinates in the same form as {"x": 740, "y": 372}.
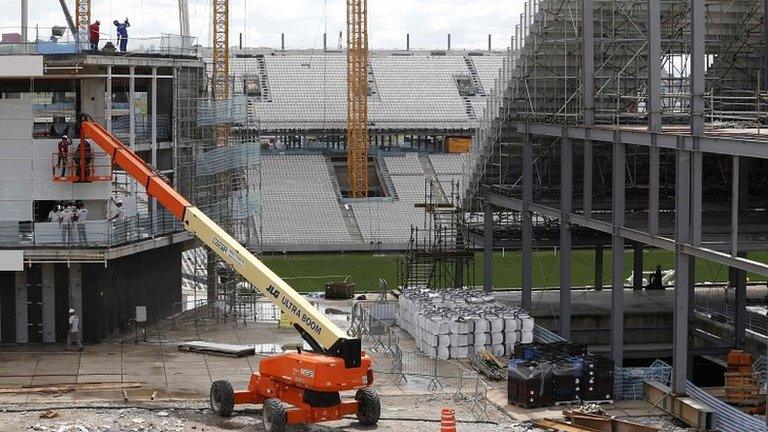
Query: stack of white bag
{"x": 457, "y": 323}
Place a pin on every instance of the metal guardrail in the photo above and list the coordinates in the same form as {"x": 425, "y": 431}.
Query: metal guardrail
{"x": 723, "y": 312}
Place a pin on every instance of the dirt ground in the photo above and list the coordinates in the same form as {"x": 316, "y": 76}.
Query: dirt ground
{"x": 416, "y": 413}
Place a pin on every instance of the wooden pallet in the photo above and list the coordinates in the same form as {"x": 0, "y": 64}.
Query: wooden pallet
{"x": 737, "y": 380}
{"x": 525, "y": 405}
{"x": 739, "y": 396}
{"x": 227, "y": 350}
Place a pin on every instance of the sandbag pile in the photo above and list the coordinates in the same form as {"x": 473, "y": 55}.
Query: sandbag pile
{"x": 457, "y": 323}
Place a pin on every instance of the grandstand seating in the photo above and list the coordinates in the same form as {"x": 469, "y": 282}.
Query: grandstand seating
{"x": 408, "y": 165}
{"x": 487, "y": 70}
{"x": 308, "y": 90}
{"x": 299, "y": 202}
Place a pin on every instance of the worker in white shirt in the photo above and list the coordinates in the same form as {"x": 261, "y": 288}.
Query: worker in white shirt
{"x": 55, "y": 213}
{"x": 73, "y": 332}
{"x": 120, "y": 227}
{"x": 66, "y": 221}
{"x": 81, "y": 215}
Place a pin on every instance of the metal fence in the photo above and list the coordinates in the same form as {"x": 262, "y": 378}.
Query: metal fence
{"x": 372, "y": 322}
{"x": 726, "y": 313}
{"x": 629, "y": 382}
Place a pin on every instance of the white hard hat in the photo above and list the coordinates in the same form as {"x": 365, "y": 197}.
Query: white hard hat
{"x": 65, "y": 137}
{"x": 71, "y": 311}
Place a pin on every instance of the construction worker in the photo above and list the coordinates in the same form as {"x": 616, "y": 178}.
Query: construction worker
{"x": 122, "y": 34}
{"x": 63, "y": 154}
{"x": 93, "y": 33}
{"x": 73, "y": 332}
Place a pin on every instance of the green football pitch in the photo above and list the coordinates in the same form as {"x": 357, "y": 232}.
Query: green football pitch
{"x": 310, "y": 272}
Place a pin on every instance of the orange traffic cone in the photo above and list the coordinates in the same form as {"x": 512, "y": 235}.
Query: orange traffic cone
{"x": 448, "y": 420}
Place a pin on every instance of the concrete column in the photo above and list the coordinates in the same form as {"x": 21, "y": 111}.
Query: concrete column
{"x": 24, "y": 21}
{"x": 109, "y": 99}
{"x": 132, "y": 107}
{"x": 682, "y": 271}
{"x": 637, "y": 267}
{"x": 566, "y": 196}
{"x": 527, "y": 222}
{"x": 22, "y": 322}
{"x": 617, "y": 252}
{"x": 49, "y": 304}
{"x": 488, "y": 248}
{"x": 76, "y": 288}
{"x": 599, "y": 266}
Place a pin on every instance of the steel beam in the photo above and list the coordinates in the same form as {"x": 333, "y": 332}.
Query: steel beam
{"x": 566, "y": 193}
{"x": 631, "y": 234}
{"x": 488, "y": 247}
{"x": 706, "y": 144}
{"x": 682, "y": 271}
{"x": 617, "y": 252}
{"x": 527, "y": 223}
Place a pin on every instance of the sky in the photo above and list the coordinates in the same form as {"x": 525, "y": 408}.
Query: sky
{"x": 303, "y": 21}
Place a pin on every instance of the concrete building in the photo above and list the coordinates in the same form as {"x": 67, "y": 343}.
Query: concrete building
{"x": 105, "y": 266}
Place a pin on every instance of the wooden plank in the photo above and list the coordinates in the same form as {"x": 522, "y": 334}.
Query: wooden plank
{"x": 217, "y": 348}
{"x": 561, "y": 426}
{"x": 65, "y": 388}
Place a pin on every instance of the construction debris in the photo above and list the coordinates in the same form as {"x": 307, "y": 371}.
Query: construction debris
{"x": 221, "y": 349}
{"x": 605, "y": 423}
{"x": 49, "y": 414}
{"x": 457, "y": 323}
{"x": 489, "y": 365}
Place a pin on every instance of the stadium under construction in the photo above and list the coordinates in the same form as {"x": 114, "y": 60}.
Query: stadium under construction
{"x": 576, "y": 219}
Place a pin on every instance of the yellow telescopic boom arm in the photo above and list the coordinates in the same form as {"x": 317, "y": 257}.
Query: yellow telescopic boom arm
{"x": 322, "y": 334}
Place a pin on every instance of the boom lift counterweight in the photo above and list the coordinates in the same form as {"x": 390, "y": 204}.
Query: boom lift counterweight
{"x": 309, "y": 381}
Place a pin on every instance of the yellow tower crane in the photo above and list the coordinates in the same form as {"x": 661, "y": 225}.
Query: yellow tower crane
{"x": 357, "y": 97}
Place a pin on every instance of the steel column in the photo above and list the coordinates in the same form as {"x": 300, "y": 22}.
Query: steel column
{"x": 109, "y": 99}
{"x": 738, "y": 281}
{"x": 654, "y": 66}
{"x": 588, "y": 61}
{"x": 698, "y": 65}
{"x": 132, "y": 107}
{"x": 682, "y": 271}
{"x": 566, "y": 196}
{"x": 599, "y": 266}
{"x": 488, "y": 248}
{"x": 153, "y": 154}
{"x": 637, "y": 266}
{"x": 617, "y": 252}
{"x": 735, "y": 186}
{"x": 527, "y": 223}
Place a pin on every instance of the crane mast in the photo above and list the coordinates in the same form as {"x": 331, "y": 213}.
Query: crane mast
{"x": 82, "y": 17}
{"x": 357, "y": 97}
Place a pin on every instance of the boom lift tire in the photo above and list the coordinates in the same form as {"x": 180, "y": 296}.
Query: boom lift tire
{"x": 368, "y": 406}
{"x": 222, "y": 398}
{"x": 275, "y": 418}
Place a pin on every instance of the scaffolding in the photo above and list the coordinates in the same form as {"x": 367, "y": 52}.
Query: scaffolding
{"x": 438, "y": 254}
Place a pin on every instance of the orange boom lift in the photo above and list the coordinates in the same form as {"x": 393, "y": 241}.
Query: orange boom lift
{"x": 309, "y": 382}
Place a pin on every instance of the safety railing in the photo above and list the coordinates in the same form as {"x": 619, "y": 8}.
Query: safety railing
{"x": 91, "y": 233}
{"x": 74, "y": 167}
{"x": 726, "y": 313}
